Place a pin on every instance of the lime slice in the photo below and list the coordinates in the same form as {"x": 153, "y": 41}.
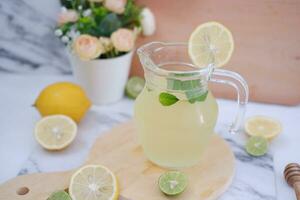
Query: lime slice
{"x": 172, "y": 182}
{"x": 55, "y": 132}
{"x": 211, "y": 43}
{"x": 59, "y": 195}
{"x": 263, "y": 126}
{"x": 94, "y": 182}
{"x": 257, "y": 146}
{"x": 134, "y": 86}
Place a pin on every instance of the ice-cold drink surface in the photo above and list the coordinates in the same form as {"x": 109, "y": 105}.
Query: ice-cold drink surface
{"x": 174, "y": 136}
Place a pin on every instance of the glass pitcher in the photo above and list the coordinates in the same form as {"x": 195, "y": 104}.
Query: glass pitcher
{"x": 175, "y": 114}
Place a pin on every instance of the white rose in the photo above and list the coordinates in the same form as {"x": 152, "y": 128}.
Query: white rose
{"x": 148, "y": 22}
{"x": 117, "y": 6}
{"x": 123, "y": 39}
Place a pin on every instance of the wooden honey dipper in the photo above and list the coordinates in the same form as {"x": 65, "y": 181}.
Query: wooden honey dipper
{"x": 292, "y": 177}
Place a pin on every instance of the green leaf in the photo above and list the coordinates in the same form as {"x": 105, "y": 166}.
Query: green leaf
{"x": 132, "y": 15}
{"x": 73, "y": 4}
{"x": 167, "y": 99}
{"x": 193, "y": 96}
{"x": 109, "y": 24}
{"x": 59, "y": 195}
{"x": 66, "y": 27}
{"x": 174, "y": 84}
{"x": 85, "y": 25}
{"x": 99, "y": 13}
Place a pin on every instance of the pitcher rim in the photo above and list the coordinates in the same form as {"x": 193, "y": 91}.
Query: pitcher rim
{"x": 141, "y": 51}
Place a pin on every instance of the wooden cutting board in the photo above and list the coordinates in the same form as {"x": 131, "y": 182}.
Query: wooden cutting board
{"x": 119, "y": 150}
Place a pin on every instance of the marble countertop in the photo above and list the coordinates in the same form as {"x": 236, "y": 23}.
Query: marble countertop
{"x": 20, "y": 154}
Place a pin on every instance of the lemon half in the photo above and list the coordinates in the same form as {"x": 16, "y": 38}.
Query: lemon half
{"x": 264, "y": 126}
{"x": 210, "y": 43}
{"x": 94, "y": 182}
{"x": 55, "y": 132}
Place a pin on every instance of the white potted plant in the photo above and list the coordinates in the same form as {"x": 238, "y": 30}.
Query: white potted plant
{"x": 100, "y": 37}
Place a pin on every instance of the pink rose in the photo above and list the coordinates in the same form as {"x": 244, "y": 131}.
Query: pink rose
{"x": 117, "y": 6}
{"x": 67, "y": 16}
{"x": 88, "y": 47}
{"x": 123, "y": 39}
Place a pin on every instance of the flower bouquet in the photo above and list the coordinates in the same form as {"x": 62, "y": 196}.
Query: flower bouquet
{"x": 100, "y": 36}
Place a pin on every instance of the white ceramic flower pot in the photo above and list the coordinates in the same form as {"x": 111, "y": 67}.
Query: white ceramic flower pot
{"x": 104, "y": 80}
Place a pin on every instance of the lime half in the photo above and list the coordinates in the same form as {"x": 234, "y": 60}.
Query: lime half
{"x": 59, "y": 195}
{"x": 257, "y": 146}
{"x": 134, "y": 86}
{"x": 172, "y": 182}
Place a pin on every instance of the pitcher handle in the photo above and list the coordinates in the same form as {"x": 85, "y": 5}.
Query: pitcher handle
{"x": 238, "y": 82}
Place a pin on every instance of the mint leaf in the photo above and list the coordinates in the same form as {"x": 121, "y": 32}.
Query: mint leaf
{"x": 174, "y": 84}
{"x": 59, "y": 195}
{"x": 167, "y": 99}
{"x": 195, "y": 96}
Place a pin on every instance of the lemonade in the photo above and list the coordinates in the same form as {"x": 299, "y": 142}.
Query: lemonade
{"x": 175, "y": 113}
{"x": 174, "y": 136}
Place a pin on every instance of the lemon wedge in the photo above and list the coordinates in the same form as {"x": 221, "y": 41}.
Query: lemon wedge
{"x": 94, "y": 182}
{"x": 263, "y": 126}
{"x": 210, "y": 43}
{"x": 55, "y": 132}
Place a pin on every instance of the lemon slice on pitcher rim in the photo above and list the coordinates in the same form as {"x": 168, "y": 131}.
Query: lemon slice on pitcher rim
{"x": 94, "y": 182}
{"x": 55, "y": 132}
{"x": 210, "y": 43}
{"x": 264, "y": 126}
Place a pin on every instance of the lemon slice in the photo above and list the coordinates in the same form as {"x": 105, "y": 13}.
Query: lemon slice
{"x": 263, "y": 126}
{"x": 94, "y": 182}
{"x": 211, "y": 43}
{"x": 55, "y": 132}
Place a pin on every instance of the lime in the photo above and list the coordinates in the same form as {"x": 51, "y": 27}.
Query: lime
{"x": 257, "y": 146}
{"x": 211, "y": 43}
{"x": 172, "y": 182}
{"x": 134, "y": 86}
{"x": 263, "y": 126}
{"x": 59, "y": 195}
{"x": 55, "y": 132}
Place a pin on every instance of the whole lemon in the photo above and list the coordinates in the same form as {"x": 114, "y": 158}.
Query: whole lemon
{"x": 63, "y": 98}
